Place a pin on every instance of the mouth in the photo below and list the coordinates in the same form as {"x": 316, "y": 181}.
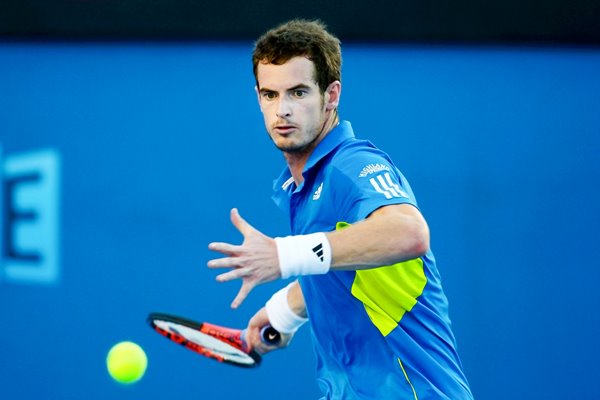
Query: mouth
{"x": 284, "y": 129}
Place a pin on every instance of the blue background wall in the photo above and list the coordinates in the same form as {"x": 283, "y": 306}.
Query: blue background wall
{"x": 158, "y": 142}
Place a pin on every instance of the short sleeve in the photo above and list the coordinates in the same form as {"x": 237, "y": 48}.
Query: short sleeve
{"x": 365, "y": 180}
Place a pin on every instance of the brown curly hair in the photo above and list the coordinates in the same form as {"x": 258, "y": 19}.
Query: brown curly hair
{"x": 301, "y": 38}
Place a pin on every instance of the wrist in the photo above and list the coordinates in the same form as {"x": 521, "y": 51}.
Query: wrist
{"x": 281, "y": 317}
{"x": 303, "y": 254}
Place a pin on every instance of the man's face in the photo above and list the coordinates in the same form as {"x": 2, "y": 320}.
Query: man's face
{"x": 292, "y": 105}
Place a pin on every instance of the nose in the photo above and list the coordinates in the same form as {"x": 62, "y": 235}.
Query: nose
{"x": 284, "y": 108}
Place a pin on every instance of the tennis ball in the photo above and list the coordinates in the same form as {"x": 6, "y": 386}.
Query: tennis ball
{"x": 126, "y": 362}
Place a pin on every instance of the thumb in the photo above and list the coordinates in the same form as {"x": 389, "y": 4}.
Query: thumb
{"x": 239, "y": 222}
{"x": 242, "y": 294}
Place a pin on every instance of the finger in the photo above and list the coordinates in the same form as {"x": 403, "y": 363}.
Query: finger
{"x": 240, "y": 223}
{"x": 252, "y": 337}
{"x": 259, "y": 320}
{"x": 233, "y": 274}
{"x": 255, "y": 341}
{"x": 224, "y": 248}
{"x": 225, "y": 262}
{"x": 262, "y": 348}
{"x": 242, "y": 294}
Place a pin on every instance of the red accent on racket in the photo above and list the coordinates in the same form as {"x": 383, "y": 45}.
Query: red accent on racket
{"x": 226, "y": 345}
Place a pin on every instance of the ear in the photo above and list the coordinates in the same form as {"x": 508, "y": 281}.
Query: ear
{"x": 258, "y": 97}
{"x": 257, "y": 94}
{"x": 332, "y": 95}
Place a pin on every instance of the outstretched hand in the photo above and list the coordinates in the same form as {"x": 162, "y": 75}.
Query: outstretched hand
{"x": 255, "y": 261}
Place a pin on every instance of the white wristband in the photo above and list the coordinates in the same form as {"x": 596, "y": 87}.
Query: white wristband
{"x": 281, "y": 316}
{"x": 303, "y": 254}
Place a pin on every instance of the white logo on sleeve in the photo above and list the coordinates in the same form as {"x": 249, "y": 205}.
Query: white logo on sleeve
{"x": 383, "y": 184}
{"x": 372, "y": 169}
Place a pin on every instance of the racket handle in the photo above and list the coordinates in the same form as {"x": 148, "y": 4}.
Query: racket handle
{"x": 270, "y": 335}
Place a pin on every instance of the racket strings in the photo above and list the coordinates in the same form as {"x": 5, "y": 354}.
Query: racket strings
{"x": 224, "y": 345}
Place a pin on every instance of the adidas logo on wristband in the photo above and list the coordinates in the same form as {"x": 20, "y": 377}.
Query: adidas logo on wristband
{"x": 318, "y": 250}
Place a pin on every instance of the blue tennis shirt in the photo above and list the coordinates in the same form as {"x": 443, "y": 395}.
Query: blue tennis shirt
{"x": 381, "y": 333}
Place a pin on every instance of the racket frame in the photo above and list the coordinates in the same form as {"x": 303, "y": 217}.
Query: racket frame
{"x": 229, "y": 336}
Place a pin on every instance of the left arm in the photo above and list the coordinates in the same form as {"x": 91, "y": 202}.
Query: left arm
{"x": 391, "y": 234}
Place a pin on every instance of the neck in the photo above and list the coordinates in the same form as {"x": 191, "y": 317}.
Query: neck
{"x": 297, "y": 161}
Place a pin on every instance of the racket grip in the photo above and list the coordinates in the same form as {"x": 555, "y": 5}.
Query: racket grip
{"x": 270, "y": 335}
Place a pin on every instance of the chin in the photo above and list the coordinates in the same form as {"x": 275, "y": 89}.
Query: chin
{"x": 291, "y": 148}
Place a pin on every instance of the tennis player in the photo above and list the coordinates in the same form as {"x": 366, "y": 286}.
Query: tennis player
{"x": 367, "y": 280}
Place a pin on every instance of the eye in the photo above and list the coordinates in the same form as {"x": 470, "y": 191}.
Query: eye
{"x": 269, "y": 95}
{"x": 299, "y": 93}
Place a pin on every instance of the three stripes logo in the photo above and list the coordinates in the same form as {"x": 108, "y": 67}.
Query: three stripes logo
{"x": 383, "y": 184}
{"x": 318, "y": 250}
{"x": 317, "y": 194}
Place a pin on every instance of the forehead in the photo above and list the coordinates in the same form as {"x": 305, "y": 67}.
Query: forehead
{"x": 296, "y": 71}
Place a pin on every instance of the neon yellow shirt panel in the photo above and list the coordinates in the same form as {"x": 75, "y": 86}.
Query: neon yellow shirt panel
{"x": 388, "y": 292}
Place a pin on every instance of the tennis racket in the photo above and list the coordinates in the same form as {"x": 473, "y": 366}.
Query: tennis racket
{"x": 226, "y": 345}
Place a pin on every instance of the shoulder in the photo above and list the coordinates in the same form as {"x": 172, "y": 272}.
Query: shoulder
{"x": 359, "y": 158}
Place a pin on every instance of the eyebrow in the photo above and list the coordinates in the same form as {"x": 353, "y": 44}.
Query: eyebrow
{"x": 299, "y": 86}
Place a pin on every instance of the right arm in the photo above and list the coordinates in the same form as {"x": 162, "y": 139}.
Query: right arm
{"x": 295, "y": 300}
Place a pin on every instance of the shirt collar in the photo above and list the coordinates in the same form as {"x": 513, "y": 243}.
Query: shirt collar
{"x": 337, "y": 135}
